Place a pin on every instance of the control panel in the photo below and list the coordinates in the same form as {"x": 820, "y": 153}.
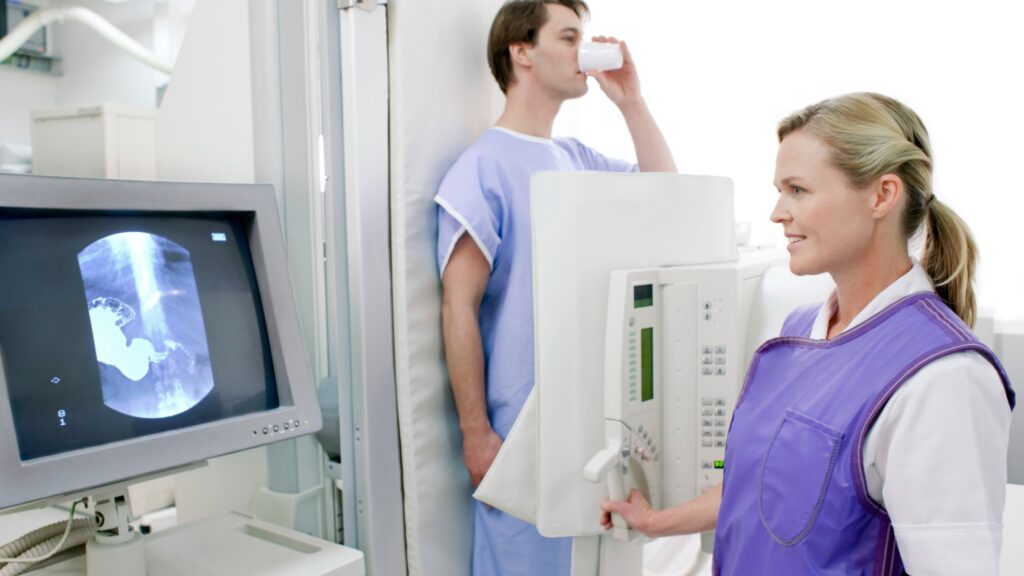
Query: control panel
{"x": 705, "y": 366}
{"x": 631, "y": 457}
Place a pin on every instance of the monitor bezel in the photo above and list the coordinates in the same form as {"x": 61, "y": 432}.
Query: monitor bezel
{"x": 50, "y": 478}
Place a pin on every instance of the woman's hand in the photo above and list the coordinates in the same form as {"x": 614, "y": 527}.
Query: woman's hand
{"x": 636, "y": 511}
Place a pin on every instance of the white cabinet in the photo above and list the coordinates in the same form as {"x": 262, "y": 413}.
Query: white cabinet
{"x": 104, "y": 141}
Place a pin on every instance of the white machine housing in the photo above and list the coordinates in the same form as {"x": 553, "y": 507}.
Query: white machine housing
{"x": 585, "y": 226}
{"x": 669, "y": 396}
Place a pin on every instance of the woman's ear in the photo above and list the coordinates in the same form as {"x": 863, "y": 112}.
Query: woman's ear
{"x": 887, "y": 193}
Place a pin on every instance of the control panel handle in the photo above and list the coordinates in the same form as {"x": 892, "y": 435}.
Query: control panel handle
{"x": 603, "y": 465}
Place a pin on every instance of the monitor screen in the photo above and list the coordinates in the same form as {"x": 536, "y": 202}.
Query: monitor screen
{"x": 115, "y": 327}
{"x": 144, "y": 326}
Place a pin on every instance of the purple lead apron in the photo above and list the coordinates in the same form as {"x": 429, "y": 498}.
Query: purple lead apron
{"x": 794, "y": 496}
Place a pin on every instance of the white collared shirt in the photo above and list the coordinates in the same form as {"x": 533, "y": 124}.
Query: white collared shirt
{"x": 936, "y": 456}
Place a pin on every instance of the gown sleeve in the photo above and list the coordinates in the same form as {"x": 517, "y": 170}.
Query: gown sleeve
{"x": 470, "y": 200}
{"x": 591, "y": 159}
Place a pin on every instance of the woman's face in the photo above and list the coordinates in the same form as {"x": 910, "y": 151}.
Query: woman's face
{"x": 828, "y": 222}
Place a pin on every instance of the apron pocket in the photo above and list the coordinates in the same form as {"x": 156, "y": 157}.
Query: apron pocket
{"x": 795, "y": 476}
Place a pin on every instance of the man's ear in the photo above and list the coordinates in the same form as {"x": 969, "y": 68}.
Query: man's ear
{"x": 888, "y": 191}
{"x": 520, "y": 54}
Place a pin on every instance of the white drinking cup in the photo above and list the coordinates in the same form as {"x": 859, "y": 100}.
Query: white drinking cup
{"x": 600, "y": 56}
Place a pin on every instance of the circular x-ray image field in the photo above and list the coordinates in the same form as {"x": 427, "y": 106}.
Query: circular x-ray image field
{"x": 147, "y": 324}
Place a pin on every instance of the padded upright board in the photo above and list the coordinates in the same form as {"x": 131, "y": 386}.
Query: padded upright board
{"x": 442, "y": 97}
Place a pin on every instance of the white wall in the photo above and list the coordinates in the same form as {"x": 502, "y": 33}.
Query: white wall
{"x": 20, "y": 92}
{"x": 205, "y": 126}
{"x": 94, "y": 70}
{"x": 719, "y": 76}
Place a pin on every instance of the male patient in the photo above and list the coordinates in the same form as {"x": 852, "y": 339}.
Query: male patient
{"x": 484, "y": 247}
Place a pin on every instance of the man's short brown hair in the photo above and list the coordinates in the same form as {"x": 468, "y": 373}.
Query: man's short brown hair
{"x": 520, "y": 21}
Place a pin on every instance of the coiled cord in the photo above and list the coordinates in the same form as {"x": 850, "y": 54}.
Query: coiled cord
{"x": 45, "y": 543}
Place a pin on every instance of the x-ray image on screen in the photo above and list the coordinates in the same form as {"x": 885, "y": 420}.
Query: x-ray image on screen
{"x": 147, "y": 324}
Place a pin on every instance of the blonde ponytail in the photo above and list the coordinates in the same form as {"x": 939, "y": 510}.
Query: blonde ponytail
{"x": 872, "y": 135}
{"x": 950, "y": 256}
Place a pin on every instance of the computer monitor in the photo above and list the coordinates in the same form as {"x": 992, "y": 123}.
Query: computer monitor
{"x": 144, "y": 326}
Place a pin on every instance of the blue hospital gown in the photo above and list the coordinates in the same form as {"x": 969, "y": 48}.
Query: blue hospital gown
{"x": 487, "y": 194}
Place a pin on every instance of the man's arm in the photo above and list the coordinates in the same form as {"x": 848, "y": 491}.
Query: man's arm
{"x": 464, "y": 281}
{"x": 622, "y": 87}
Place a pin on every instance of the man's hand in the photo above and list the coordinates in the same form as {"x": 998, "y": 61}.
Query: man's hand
{"x": 622, "y": 86}
{"x": 478, "y": 452}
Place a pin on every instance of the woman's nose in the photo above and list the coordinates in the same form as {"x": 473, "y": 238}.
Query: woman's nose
{"x": 779, "y": 213}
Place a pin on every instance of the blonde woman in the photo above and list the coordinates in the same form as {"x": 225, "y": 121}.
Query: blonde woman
{"x": 871, "y": 437}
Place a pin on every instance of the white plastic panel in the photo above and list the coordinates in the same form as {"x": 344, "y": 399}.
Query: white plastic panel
{"x": 680, "y": 305}
{"x": 364, "y": 85}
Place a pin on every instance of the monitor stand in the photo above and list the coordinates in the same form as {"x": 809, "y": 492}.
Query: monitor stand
{"x": 230, "y": 543}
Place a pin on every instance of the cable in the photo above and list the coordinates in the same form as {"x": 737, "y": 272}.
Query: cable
{"x": 40, "y": 541}
{"x": 23, "y": 31}
{"x": 77, "y": 537}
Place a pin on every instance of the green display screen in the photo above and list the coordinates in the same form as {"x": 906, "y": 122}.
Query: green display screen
{"x": 646, "y": 364}
{"x": 719, "y": 464}
{"x": 643, "y": 296}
